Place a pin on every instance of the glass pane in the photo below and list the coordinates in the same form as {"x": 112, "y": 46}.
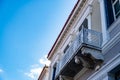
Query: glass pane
{"x": 117, "y": 7}
{"x": 117, "y": 75}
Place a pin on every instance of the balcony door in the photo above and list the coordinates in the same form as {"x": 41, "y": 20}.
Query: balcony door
{"x": 84, "y": 24}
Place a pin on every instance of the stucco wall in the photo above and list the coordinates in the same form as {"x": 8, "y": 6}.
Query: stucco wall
{"x": 96, "y": 18}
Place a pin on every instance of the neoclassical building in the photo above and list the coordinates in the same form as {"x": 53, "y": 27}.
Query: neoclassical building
{"x": 88, "y": 46}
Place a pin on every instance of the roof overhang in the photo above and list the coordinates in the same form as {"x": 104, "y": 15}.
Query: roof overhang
{"x": 67, "y": 24}
{"x": 50, "y": 52}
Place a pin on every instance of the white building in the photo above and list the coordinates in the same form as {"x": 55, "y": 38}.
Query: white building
{"x": 88, "y": 47}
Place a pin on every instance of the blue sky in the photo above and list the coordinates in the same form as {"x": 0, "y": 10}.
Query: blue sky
{"x": 28, "y": 29}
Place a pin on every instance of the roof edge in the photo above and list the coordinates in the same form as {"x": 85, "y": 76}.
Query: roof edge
{"x": 49, "y": 54}
{"x": 42, "y": 71}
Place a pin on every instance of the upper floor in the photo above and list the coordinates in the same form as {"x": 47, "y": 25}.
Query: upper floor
{"x": 89, "y": 28}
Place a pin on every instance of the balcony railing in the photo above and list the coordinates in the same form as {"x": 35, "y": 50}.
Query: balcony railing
{"x": 85, "y": 36}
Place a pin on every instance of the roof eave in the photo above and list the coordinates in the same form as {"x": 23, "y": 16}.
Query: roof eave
{"x": 50, "y": 52}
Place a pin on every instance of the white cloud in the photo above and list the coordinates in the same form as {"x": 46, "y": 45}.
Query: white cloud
{"x": 35, "y": 65}
{"x": 44, "y": 61}
{"x": 36, "y": 69}
{"x": 34, "y": 73}
{"x": 1, "y": 70}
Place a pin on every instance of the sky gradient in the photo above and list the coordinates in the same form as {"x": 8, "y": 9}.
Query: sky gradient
{"x": 28, "y": 29}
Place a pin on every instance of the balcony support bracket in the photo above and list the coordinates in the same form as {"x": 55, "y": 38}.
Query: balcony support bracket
{"x": 92, "y": 57}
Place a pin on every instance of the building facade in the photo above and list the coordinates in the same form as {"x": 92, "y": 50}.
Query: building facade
{"x": 44, "y": 74}
{"x": 88, "y": 47}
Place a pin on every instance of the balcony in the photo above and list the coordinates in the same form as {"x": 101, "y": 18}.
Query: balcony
{"x": 86, "y": 47}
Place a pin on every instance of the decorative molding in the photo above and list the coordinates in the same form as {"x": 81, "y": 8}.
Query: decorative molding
{"x": 115, "y": 23}
{"x": 83, "y": 14}
{"x": 90, "y": 8}
{"x": 111, "y": 43}
{"x": 68, "y": 26}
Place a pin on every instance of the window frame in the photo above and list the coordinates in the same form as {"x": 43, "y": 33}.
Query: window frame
{"x": 113, "y": 4}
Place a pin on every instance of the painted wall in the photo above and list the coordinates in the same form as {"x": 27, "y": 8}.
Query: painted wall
{"x": 96, "y": 18}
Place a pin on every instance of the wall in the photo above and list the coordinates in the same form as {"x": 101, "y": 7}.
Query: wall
{"x": 96, "y": 18}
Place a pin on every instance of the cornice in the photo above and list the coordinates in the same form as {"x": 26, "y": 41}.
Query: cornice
{"x": 71, "y": 19}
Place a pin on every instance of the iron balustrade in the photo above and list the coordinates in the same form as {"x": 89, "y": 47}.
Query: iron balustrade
{"x": 85, "y": 36}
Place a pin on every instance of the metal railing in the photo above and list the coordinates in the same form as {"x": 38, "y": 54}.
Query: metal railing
{"x": 86, "y": 36}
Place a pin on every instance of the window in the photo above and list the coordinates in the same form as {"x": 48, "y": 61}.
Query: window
{"x": 54, "y": 71}
{"x": 109, "y": 12}
{"x": 66, "y": 48}
{"x": 84, "y": 24}
{"x": 117, "y": 75}
{"x": 116, "y": 8}
{"x": 114, "y": 74}
{"x": 112, "y": 9}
